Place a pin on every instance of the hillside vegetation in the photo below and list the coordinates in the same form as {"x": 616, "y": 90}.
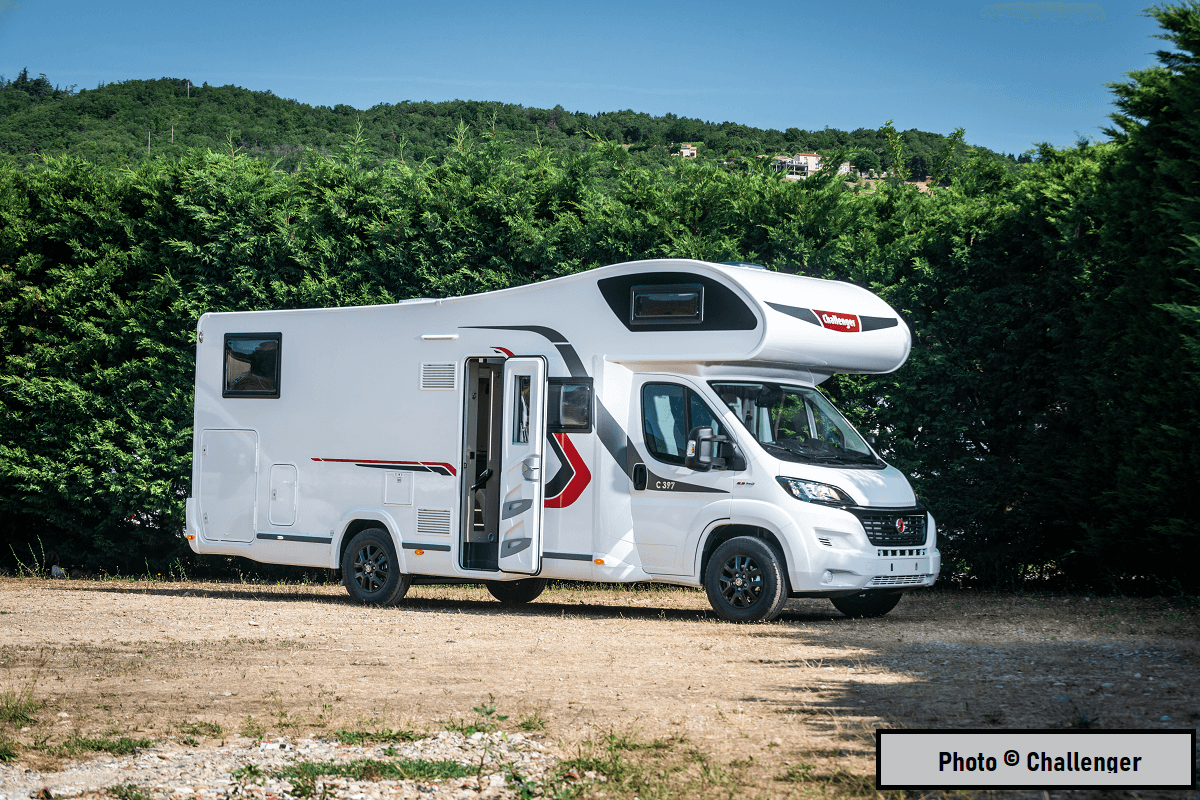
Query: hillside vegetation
{"x": 1046, "y": 415}
{"x": 116, "y": 124}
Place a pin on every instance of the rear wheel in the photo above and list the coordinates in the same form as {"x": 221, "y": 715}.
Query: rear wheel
{"x": 371, "y": 570}
{"x": 744, "y": 581}
{"x": 866, "y": 604}
{"x": 516, "y": 593}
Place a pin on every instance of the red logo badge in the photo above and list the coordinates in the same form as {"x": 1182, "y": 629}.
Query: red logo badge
{"x": 900, "y": 526}
{"x": 836, "y": 321}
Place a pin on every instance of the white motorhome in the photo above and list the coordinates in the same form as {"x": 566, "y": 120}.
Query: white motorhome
{"x": 650, "y": 421}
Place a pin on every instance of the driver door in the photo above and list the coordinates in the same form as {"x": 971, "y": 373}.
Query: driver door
{"x": 671, "y": 503}
{"x": 522, "y": 457}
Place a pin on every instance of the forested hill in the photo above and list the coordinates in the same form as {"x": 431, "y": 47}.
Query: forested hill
{"x": 110, "y": 125}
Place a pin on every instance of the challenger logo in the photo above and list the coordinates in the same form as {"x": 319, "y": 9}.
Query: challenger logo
{"x": 900, "y": 526}
{"x": 836, "y": 321}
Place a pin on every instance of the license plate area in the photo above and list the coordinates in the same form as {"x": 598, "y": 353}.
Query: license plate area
{"x": 904, "y": 566}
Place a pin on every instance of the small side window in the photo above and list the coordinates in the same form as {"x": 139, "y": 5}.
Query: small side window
{"x": 681, "y": 303}
{"x": 570, "y": 409}
{"x": 252, "y": 365}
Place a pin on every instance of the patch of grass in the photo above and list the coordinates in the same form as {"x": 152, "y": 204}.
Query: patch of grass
{"x": 532, "y": 722}
{"x": 8, "y": 751}
{"x": 190, "y": 741}
{"x": 384, "y": 736}
{"x": 129, "y": 791}
{"x": 210, "y": 729}
{"x": 250, "y": 773}
{"x": 17, "y": 704}
{"x": 253, "y": 729}
{"x": 75, "y": 745}
{"x": 371, "y": 770}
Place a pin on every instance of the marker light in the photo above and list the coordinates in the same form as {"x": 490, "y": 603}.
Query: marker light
{"x": 419, "y": 552}
{"x": 599, "y": 561}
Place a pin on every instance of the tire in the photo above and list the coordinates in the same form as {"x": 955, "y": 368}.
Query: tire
{"x": 744, "y": 581}
{"x": 517, "y": 593}
{"x": 371, "y": 571}
{"x": 866, "y": 604}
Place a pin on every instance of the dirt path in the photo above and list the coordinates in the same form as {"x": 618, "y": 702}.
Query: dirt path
{"x": 145, "y": 659}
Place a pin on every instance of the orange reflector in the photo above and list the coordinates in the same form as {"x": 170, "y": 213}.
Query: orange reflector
{"x": 191, "y": 536}
{"x": 598, "y": 560}
{"x": 419, "y": 552}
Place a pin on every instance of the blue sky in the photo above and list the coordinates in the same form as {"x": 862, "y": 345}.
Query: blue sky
{"x": 1012, "y": 74}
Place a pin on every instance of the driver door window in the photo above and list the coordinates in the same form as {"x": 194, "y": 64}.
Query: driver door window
{"x": 669, "y": 412}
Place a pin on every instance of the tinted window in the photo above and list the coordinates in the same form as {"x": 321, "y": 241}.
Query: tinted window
{"x": 570, "y": 405}
{"x": 252, "y": 364}
{"x": 669, "y": 412}
{"x": 680, "y": 303}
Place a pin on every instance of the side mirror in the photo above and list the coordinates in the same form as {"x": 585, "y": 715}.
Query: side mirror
{"x": 870, "y": 437}
{"x": 701, "y": 445}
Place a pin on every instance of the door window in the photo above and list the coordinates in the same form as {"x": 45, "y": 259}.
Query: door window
{"x": 669, "y": 412}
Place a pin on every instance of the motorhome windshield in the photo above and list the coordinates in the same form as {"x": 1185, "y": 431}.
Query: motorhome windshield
{"x": 796, "y": 423}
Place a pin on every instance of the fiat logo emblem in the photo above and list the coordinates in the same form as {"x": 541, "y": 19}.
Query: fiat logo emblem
{"x": 900, "y": 524}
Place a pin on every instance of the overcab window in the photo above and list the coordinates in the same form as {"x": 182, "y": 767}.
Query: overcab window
{"x": 570, "y": 405}
{"x": 674, "y": 303}
{"x": 252, "y": 362}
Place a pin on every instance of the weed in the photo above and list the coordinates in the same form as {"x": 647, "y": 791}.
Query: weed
{"x": 17, "y": 704}
{"x": 371, "y": 770}
{"x": 8, "y": 751}
{"x": 36, "y": 568}
{"x": 386, "y": 735}
{"x": 129, "y": 791}
{"x": 795, "y": 773}
{"x": 253, "y": 729}
{"x": 487, "y": 711}
{"x": 75, "y": 745}
{"x": 250, "y": 773}
{"x": 532, "y": 722}
{"x": 209, "y": 729}
{"x": 190, "y": 741}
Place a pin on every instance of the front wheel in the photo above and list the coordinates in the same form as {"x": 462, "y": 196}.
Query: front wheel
{"x": 866, "y": 604}
{"x": 371, "y": 570}
{"x": 517, "y": 593}
{"x": 744, "y": 581}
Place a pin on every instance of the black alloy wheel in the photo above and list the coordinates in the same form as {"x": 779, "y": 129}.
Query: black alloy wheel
{"x": 744, "y": 581}
{"x": 517, "y": 593}
{"x": 372, "y": 571}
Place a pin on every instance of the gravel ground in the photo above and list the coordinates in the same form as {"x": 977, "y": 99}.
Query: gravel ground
{"x": 211, "y": 772}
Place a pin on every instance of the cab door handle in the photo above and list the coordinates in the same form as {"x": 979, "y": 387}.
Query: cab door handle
{"x": 640, "y": 477}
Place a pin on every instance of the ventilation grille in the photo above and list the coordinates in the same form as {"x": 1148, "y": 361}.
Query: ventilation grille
{"x": 898, "y": 580}
{"x": 824, "y": 541}
{"x": 438, "y": 376}
{"x": 433, "y": 522}
{"x": 883, "y": 530}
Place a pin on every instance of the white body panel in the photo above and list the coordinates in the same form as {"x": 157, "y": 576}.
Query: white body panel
{"x": 368, "y": 428}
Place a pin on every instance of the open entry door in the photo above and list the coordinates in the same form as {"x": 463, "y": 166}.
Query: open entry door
{"x": 522, "y": 455}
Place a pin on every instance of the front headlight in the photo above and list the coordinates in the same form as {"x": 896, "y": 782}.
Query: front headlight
{"x": 813, "y": 492}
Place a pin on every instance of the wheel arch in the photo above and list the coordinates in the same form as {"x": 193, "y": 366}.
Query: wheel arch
{"x": 724, "y": 531}
{"x": 360, "y": 519}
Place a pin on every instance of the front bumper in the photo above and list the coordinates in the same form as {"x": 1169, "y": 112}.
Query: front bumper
{"x": 844, "y": 559}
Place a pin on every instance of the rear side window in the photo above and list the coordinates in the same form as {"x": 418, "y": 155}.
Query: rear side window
{"x": 570, "y": 405}
{"x": 252, "y": 365}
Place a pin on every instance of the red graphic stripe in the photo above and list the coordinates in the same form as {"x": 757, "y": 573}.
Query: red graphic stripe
{"x": 504, "y": 350}
{"x": 441, "y": 464}
{"x": 578, "y": 482}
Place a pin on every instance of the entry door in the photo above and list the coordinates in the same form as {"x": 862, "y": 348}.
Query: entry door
{"x": 671, "y": 504}
{"x": 228, "y": 485}
{"x": 522, "y": 459}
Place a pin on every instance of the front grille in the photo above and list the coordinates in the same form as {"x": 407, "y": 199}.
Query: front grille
{"x": 882, "y": 530}
{"x": 898, "y": 580}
